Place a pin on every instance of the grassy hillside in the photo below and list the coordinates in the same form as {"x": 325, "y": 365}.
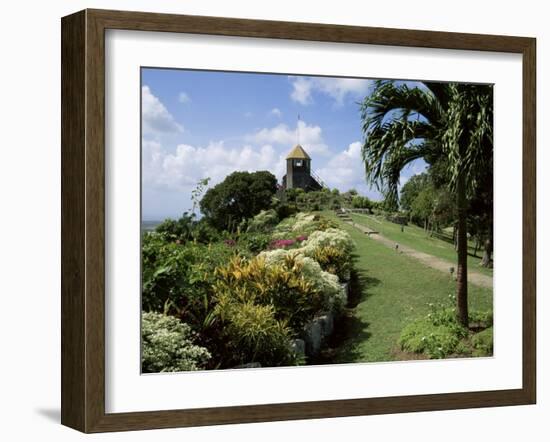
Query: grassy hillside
{"x": 415, "y": 237}
{"x": 392, "y": 290}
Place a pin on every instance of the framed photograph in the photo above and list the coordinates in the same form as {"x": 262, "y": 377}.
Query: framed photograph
{"x": 266, "y": 221}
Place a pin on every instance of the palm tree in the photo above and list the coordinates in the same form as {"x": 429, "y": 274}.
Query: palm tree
{"x": 446, "y": 124}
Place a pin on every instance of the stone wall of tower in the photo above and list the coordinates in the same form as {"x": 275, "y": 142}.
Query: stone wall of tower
{"x": 298, "y": 176}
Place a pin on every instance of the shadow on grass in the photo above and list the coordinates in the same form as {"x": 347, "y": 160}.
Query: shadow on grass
{"x": 343, "y": 345}
{"x": 349, "y": 330}
{"x": 360, "y": 283}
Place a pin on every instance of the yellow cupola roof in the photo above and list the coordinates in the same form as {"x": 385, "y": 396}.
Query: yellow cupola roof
{"x": 298, "y": 153}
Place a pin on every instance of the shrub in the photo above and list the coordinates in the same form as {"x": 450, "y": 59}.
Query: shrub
{"x": 263, "y": 222}
{"x": 422, "y": 336}
{"x": 361, "y": 202}
{"x": 302, "y": 224}
{"x": 332, "y": 249}
{"x": 332, "y": 260}
{"x": 483, "y": 343}
{"x": 331, "y": 237}
{"x": 177, "y": 279}
{"x": 283, "y": 285}
{"x": 254, "y": 242}
{"x": 440, "y": 334}
{"x": 253, "y": 334}
{"x": 179, "y": 229}
{"x": 325, "y": 283}
{"x": 481, "y": 319}
{"x": 187, "y": 228}
{"x": 285, "y": 210}
{"x": 205, "y": 233}
{"x": 168, "y": 345}
{"x": 281, "y": 243}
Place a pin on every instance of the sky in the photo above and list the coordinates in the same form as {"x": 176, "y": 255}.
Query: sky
{"x": 199, "y": 124}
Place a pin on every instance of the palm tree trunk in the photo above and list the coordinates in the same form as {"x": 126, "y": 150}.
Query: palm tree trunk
{"x": 455, "y": 237}
{"x": 462, "y": 246}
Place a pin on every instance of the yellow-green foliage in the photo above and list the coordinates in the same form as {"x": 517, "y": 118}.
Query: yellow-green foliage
{"x": 333, "y": 260}
{"x": 325, "y": 283}
{"x": 261, "y": 307}
{"x": 253, "y": 334}
{"x": 294, "y": 297}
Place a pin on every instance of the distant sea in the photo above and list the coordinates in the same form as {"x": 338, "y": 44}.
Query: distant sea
{"x": 147, "y": 226}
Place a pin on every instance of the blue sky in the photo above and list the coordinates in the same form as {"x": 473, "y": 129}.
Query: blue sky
{"x": 198, "y": 124}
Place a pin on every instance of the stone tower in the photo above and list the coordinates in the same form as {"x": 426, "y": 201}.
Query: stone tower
{"x": 298, "y": 171}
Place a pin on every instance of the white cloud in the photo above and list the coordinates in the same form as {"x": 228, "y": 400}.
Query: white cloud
{"x": 156, "y": 118}
{"x": 248, "y": 114}
{"x": 345, "y": 170}
{"x": 337, "y": 88}
{"x": 180, "y": 170}
{"x": 310, "y": 137}
{"x": 276, "y": 112}
{"x": 301, "y": 90}
{"x": 184, "y": 98}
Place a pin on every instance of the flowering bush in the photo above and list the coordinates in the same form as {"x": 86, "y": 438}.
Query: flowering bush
{"x": 305, "y": 224}
{"x": 264, "y": 221}
{"x": 281, "y": 243}
{"x": 336, "y": 238}
{"x": 332, "y": 260}
{"x": 332, "y": 249}
{"x": 286, "y": 243}
{"x": 325, "y": 283}
{"x": 168, "y": 345}
{"x": 300, "y": 225}
{"x": 294, "y": 297}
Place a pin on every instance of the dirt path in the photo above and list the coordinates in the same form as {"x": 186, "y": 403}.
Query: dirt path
{"x": 476, "y": 278}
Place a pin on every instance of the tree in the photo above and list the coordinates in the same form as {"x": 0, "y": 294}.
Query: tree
{"x": 423, "y": 206}
{"x": 239, "y": 196}
{"x": 449, "y": 126}
{"x": 428, "y": 203}
{"x": 468, "y": 142}
{"x": 411, "y": 189}
{"x": 361, "y": 202}
{"x": 197, "y": 192}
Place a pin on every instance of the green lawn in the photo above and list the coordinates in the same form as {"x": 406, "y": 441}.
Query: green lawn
{"x": 415, "y": 238}
{"x": 392, "y": 290}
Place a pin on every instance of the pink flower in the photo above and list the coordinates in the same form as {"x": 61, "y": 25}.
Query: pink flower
{"x": 281, "y": 243}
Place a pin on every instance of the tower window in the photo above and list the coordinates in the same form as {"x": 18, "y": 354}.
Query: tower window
{"x": 298, "y": 163}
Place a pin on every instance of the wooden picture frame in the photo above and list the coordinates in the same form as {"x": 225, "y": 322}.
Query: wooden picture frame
{"x": 83, "y": 220}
